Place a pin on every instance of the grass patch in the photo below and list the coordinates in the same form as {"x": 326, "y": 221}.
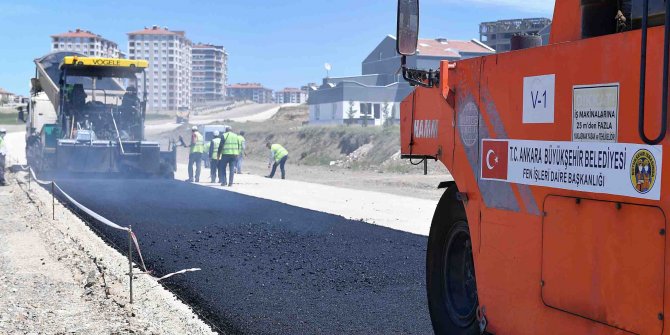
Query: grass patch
{"x": 6, "y": 118}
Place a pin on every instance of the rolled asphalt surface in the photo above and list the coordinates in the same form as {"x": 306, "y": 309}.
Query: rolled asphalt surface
{"x": 267, "y": 267}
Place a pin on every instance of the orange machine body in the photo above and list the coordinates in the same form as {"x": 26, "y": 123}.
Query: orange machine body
{"x": 568, "y": 259}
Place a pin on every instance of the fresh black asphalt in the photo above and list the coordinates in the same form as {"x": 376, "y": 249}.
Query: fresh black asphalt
{"x": 267, "y": 267}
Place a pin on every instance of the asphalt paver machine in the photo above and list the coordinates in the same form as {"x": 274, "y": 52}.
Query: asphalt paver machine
{"x": 86, "y": 116}
{"x": 555, "y": 220}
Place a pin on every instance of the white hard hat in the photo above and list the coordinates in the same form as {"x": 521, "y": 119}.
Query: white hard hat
{"x": 3, "y": 130}
{"x": 216, "y": 133}
{"x": 194, "y": 128}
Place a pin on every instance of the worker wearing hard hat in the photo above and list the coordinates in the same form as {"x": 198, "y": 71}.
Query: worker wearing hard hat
{"x": 278, "y": 157}
{"x": 3, "y": 154}
{"x": 213, "y": 154}
{"x": 195, "y": 156}
{"x": 229, "y": 150}
{"x": 243, "y": 152}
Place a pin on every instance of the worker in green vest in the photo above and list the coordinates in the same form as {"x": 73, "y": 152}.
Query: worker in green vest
{"x": 243, "y": 152}
{"x": 229, "y": 150}
{"x": 3, "y": 154}
{"x": 214, "y": 156}
{"x": 195, "y": 156}
{"x": 278, "y": 157}
{"x": 206, "y": 156}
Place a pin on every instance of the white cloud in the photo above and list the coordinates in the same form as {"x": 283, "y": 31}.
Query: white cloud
{"x": 545, "y": 7}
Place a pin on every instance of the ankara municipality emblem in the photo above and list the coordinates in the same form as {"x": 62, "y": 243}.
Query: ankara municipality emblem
{"x": 643, "y": 171}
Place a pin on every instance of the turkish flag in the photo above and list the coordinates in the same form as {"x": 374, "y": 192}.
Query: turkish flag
{"x": 494, "y": 159}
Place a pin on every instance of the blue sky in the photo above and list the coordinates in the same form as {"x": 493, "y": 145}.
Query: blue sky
{"x": 277, "y": 43}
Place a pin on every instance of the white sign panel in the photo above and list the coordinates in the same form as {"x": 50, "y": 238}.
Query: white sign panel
{"x": 632, "y": 170}
{"x": 538, "y": 99}
{"x": 595, "y": 113}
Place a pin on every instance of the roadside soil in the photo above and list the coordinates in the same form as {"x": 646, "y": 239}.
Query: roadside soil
{"x": 414, "y": 184}
{"x": 59, "y": 277}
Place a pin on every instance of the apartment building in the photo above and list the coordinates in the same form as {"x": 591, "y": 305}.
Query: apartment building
{"x": 84, "y": 42}
{"x": 168, "y": 78}
{"x": 497, "y": 34}
{"x": 250, "y": 91}
{"x": 209, "y": 73}
{"x": 291, "y": 95}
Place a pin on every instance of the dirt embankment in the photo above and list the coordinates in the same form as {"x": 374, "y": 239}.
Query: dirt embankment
{"x": 348, "y": 147}
{"x": 58, "y": 277}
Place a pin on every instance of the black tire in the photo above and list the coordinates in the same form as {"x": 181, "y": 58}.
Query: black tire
{"x": 450, "y": 276}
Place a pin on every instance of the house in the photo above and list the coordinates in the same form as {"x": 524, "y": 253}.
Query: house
{"x": 6, "y": 97}
{"x": 250, "y": 91}
{"x": 291, "y": 95}
{"x": 375, "y": 95}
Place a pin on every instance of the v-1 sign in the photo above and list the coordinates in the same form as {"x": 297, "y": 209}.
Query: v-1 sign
{"x": 538, "y": 99}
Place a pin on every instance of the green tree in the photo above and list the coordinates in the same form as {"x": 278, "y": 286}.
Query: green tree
{"x": 350, "y": 113}
{"x": 387, "y": 112}
{"x": 364, "y": 120}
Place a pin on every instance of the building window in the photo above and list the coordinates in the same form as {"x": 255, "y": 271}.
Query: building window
{"x": 317, "y": 112}
{"x": 377, "y": 110}
{"x": 366, "y": 109}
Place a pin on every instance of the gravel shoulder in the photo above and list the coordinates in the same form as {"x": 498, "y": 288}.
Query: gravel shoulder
{"x": 58, "y": 276}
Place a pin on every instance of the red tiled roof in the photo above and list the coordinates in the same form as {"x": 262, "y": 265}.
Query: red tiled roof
{"x": 156, "y": 30}
{"x": 77, "y": 33}
{"x": 448, "y": 48}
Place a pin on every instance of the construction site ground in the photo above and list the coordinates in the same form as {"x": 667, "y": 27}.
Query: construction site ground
{"x": 59, "y": 277}
{"x": 328, "y": 250}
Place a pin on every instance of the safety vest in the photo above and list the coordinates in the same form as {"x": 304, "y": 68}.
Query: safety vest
{"x": 231, "y": 146}
{"x": 215, "y": 147}
{"x": 2, "y": 145}
{"x": 241, "y": 140}
{"x": 199, "y": 146}
{"x": 278, "y": 151}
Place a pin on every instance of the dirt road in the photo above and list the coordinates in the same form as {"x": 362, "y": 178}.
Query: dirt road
{"x": 245, "y": 113}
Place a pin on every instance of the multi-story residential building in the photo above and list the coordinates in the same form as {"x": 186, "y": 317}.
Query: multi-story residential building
{"x": 168, "y": 77}
{"x": 291, "y": 95}
{"x": 497, "y": 34}
{"x": 250, "y": 91}
{"x": 209, "y": 74}
{"x": 84, "y": 42}
{"x": 374, "y": 97}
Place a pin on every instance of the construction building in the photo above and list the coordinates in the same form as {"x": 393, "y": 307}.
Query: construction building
{"x": 374, "y": 97}
{"x": 85, "y": 42}
{"x": 497, "y": 34}
{"x": 209, "y": 73}
{"x": 250, "y": 91}
{"x": 169, "y": 74}
{"x": 291, "y": 95}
